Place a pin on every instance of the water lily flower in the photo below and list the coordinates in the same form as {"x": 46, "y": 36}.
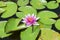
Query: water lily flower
{"x": 30, "y": 20}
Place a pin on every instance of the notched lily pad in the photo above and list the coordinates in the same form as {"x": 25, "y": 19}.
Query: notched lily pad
{"x": 52, "y": 5}
{"x": 47, "y": 21}
{"x": 28, "y": 34}
{"x": 45, "y": 26}
{"x": 13, "y": 25}
{"x": 46, "y": 17}
{"x": 2, "y": 10}
{"x": 10, "y": 10}
{"x": 28, "y": 10}
{"x": 2, "y": 29}
{"x": 47, "y": 14}
{"x": 22, "y": 2}
{"x": 48, "y": 34}
{"x": 57, "y": 24}
{"x": 2, "y": 4}
{"x": 58, "y": 1}
{"x": 38, "y": 4}
{"x": 20, "y": 15}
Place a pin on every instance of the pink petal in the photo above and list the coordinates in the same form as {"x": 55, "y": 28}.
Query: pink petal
{"x": 34, "y": 16}
{"x": 28, "y": 24}
{"x": 24, "y": 21}
{"x": 37, "y": 18}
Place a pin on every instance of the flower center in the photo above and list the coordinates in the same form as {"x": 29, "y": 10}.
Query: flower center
{"x": 30, "y": 19}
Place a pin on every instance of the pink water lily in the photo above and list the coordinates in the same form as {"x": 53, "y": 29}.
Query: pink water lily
{"x": 30, "y": 20}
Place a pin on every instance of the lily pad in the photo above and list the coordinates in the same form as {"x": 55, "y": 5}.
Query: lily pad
{"x": 20, "y": 15}
{"x": 2, "y": 10}
{"x": 47, "y": 21}
{"x": 47, "y": 14}
{"x": 48, "y": 34}
{"x": 22, "y": 26}
{"x": 58, "y": 1}
{"x": 12, "y": 25}
{"x": 57, "y": 24}
{"x": 10, "y": 10}
{"x": 2, "y": 29}
{"x": 37, "y": 4}
{"x": 22, "y": 2}
{"x": 2, "y": 4}
{"x": 45, "y": 26}
{"x": 28, "y": 10}
{"x": 52, "y": 5}
{"x": 29, "y": 35}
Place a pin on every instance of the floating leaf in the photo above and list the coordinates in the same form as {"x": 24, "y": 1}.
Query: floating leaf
{"x": 10, "y": 10}
{"x": 58, "y": 1}
{"x": 2, "y": 29}
{"x": 20, "y": 15}
{"x": 48, "y": 34}
{"x": 57, "y": 24}
{"x": 47, "y": 14}
{"x": 47, "y": 21}
{"x": 2, "y": 4}
{"x": 38, "y": 4}
{"x": 52, "y": 5}
{"x": 22, "y": 2}
{"x": 46, "y": 17}
{"x": 27, "y": 10}
{"x": 22, "y": 26}
{"x": 29, "y": 35}
{"x": 12, "y": 24}
{"x": 2, "y": 10}
{"x": 42, "y": 25}
{"x": 45, "y": 26}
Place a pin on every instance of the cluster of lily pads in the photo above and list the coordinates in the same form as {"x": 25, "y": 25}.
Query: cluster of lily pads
{"x": 36, "y": 25}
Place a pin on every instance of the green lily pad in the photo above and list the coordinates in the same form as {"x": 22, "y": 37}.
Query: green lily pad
{"x": 29, "y": 35}
{"x": 37, "y": 4}
{"x": 57, "y": 24}
{"x": 10, "y": 10}
{"x": 42, "y": 25}
{"x": 20, "y": 15}
{"x": 47, "y": 14}
{"x": 47, "y": 21}
{"x": 58, "y": 1}
{"x": 52, "y": 5}
{"x": 28, "y": 10}
{"x": 2, "y": 29}
{"x": 22, "y": 26}
{"x": 45, "y": 26}
{"x": 48, "y": 34}
{"x": 2, "y": 4}
{"x": 46, "y": 17}
{"x": 2, "y": 10}
{"x": 22, "y": 2}
{"x": 12, "y": 25}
